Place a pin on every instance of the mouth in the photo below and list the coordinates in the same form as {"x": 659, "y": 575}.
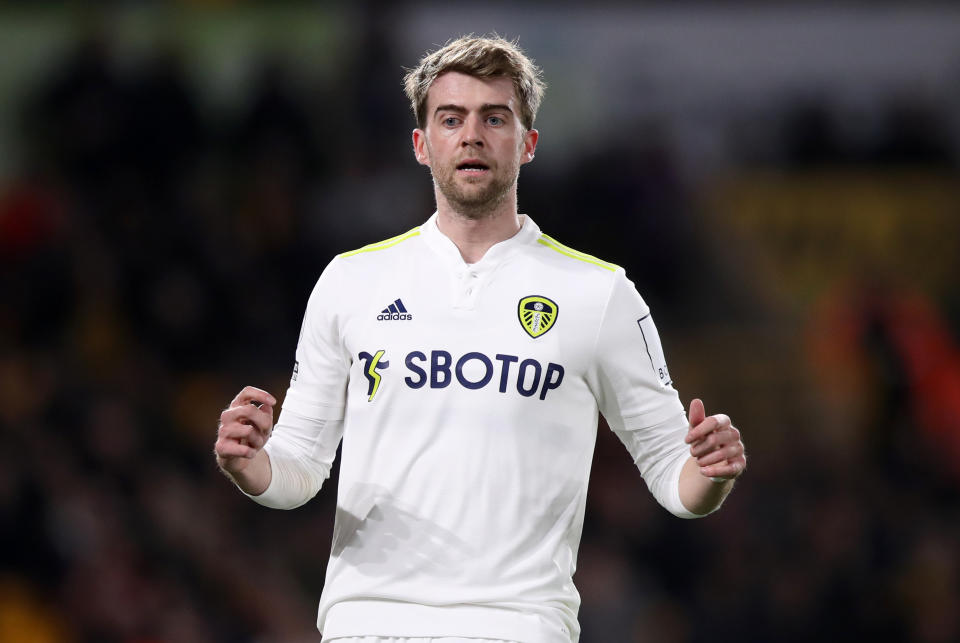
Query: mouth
{"x": 473, "y": 167}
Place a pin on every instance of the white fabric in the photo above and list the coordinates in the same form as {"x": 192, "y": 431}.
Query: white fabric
{"x": 660, "y": 462}
{"x": 467, "y": 450}
{"x": 397, "y": 618}
{"x": 394, "y": 639}
{"x": 301, "y": 454}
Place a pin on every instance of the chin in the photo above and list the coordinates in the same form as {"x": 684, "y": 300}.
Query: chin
{"x": 479, "y": 208}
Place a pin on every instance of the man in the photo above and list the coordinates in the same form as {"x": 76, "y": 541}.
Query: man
{"x": 463, "y": 363}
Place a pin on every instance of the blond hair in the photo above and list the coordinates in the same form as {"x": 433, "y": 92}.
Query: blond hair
{"x": 483, "y": 57}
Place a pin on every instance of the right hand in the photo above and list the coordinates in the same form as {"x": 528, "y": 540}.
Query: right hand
{"x": 245, "y": 427}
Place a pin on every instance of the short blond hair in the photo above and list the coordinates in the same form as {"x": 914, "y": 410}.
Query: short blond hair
{"x": 483, "y": 57}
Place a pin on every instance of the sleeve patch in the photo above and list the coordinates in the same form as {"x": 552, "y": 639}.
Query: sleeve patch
{"x": 651, "y": 338}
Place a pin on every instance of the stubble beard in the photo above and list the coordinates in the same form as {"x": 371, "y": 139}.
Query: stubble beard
{"x": 469, "y": 201}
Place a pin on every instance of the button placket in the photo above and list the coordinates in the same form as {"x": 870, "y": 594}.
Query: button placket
{"x": 468, "y": 288}
{"x": 472, "y": 280}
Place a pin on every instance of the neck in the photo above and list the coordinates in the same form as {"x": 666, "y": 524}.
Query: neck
{"x": 474, "y": 235}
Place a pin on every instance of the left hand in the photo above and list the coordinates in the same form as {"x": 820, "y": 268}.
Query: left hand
{"x": 715, "y": 443}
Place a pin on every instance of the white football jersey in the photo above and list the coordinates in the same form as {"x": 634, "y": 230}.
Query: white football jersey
{"x": 468, "y": 399}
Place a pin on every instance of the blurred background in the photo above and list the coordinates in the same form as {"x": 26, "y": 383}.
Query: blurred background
{"x": 780, "y": 180}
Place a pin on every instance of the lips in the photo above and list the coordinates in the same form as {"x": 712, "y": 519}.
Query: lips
{"x": 472, "y": 165}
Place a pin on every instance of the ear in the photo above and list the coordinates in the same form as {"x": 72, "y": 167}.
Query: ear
{"x": 529, "y": 145}
{"x": 420, "y": 147}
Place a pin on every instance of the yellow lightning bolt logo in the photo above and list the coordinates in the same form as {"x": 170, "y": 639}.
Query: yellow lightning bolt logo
{"x": 370, "y": 371}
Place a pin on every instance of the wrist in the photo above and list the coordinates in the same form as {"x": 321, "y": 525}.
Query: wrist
{"x": 252, "y": 476}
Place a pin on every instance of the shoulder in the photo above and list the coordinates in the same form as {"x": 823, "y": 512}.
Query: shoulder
{"x": 349, "y": 269}
{"x": 586, "y": 279}
{"x": 374, "y": 258}
{"x": 376, "y": 249}
{"x": 567, "y": 258}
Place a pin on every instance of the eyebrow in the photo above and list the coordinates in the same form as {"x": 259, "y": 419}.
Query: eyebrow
{"x": 486, "y": 107}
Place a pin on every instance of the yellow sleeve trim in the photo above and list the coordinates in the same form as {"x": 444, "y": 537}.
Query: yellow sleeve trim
{"x": 553, "y": 244}
{"x": 386, "y": 243}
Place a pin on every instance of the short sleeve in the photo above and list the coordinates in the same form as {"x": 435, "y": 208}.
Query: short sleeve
{"x": 321, "y": 370}
{"x": 629, "y": 374}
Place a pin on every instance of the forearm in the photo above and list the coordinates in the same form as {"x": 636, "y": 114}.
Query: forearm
{"x": 255, "y": 477}
{"x": 301, "y": 453}
{"x": 699, "y": 494}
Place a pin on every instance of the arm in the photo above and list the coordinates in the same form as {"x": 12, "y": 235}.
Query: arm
{"x": 679, "y": 476}
{"x": 301, "y": 454}
{"x": 290, "y": 469}
{"x": 698, "y": 494}
{"x": 245, "y": 426}
{"x": 717, "y": 458}
{"x": 677, "y": 455}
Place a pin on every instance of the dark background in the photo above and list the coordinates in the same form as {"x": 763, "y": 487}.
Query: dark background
{"x": 779, "y": 179}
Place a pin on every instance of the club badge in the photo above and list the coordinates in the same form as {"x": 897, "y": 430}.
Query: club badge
{"x": 537, "y": 315}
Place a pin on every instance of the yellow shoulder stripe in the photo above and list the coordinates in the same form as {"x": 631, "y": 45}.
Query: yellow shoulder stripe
{"x": 553, "y": 244}
{"x": 386, "y": 243}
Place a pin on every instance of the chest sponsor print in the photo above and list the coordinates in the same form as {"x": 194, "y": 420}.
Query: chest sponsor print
{"x": 438, "y": 369}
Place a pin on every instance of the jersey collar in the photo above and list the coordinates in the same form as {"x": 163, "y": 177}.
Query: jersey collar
{"x": 442, "y": 245}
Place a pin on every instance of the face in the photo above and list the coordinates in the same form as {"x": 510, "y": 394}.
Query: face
{"x": 473, "y": 142}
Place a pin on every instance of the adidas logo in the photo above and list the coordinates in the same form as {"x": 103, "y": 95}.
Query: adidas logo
{"x": 395, "y": 312}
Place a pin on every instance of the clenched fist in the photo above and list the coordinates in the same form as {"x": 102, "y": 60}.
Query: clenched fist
{"x": 245, "y": 427}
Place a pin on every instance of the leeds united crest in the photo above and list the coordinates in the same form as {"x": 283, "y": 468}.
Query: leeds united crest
{"x": 537, "y": 315}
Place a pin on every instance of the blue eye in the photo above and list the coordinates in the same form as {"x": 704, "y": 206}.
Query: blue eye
{"x": 450, "y": 121}
{"x": 495, "y": 120}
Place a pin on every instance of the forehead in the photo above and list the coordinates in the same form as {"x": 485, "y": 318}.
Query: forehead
{"x": 464, "y": 90}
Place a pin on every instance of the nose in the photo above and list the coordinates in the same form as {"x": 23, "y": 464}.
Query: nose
{"x": 472, "y": 134}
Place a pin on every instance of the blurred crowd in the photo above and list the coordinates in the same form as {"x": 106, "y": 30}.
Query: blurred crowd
{"x": 156, "y": 256}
